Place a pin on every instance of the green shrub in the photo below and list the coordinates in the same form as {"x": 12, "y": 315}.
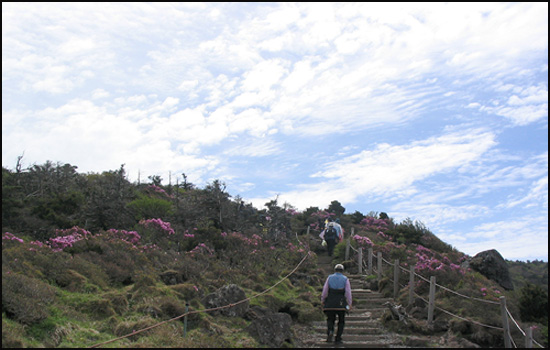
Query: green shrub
{"x": 71, "y": 281}
{"x": 186, "y": 291}
{"x": 12, "y": 334}
{"x": 149, "y": 208}
{"x": 171, "y": 307}
{"x": 533, "y": 303}
{"x": 25, "y": 299}
{"x": 100, "y": 308}
{"x": 119, "y": 302}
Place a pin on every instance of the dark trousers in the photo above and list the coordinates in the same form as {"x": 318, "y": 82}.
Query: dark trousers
{"x": 331, "y": 319}
{"x": 331, "y": 243}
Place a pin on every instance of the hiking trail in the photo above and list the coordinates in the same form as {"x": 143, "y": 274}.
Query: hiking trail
{"x": 363, "y": 327}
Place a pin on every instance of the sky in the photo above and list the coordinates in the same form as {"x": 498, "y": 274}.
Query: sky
{"x": 436, "y": 112}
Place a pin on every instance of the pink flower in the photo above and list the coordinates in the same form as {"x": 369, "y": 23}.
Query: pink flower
{"x": 12, "y": 237}
{"x": 159, "y": 224}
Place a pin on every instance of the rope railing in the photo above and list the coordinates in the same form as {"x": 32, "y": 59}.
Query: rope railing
{"x": 519, "y": 328}
{"x": 207, "y": 310}
{"x": 508, "y": 338}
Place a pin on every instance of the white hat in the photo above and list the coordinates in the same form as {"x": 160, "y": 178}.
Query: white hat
{"x": 339, "y": 267}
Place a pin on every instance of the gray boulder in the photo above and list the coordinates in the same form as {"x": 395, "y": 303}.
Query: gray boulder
{"x": 270, "y": 328}
{"x": 226, "y": 295}
{"x": 493, "y": 266}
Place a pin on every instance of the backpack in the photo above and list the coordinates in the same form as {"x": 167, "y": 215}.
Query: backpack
{"x": 331, "y": 233}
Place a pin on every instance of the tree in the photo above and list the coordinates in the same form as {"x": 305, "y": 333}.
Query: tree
{"x": 357, "y": 217}
{"x": 336, "y": 208}
{"x": 408, "y": 231}
{"x": 217, "y": 199}
{"x": 107, "y": 196}
{"x": 155, "y": 179}
{"x": 533, "y": 303}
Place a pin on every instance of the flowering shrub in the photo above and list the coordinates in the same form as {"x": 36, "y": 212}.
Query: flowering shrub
{"x": 292, "y": 212}
{"x": 128, "y": 236}
{"x": 158, "y": 224}
{"x": 383, "y": 236}
{"x": 202, "y": 249}
{"x": 374, "y": 225}
{"x": 363, "y": 241}
{"x": 158, "y": 232}
{"x": 159, "y": 190}
{"x": 67, "y": 238}
{"x": 11, "y": 237}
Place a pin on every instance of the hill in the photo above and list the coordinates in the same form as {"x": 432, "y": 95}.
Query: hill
{"x": 88, "y": 258}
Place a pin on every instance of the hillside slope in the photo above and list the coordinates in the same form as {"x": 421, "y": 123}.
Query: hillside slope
{"x": 87, "y": 258}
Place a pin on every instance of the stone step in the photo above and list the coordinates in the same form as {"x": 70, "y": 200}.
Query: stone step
{"x": 372, "y": 312}
{"x": 360, "y": 337}
{"x": 367, "y": 323}
{"x": 365, "y": 342}
{"x": 360, "y": 345}
{"x": 352, "y": 330}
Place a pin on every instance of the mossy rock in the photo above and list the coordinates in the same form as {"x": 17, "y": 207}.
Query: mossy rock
{"x": 172, "y": 277}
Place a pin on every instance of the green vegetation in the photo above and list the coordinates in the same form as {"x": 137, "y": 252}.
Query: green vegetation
{"x": 87, "y": 258}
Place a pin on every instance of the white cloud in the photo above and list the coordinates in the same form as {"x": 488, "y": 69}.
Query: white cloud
{"x": 256, "y": 147}
{"x": 391, "y": 171}
{"x": 188, "y": 84}
{"x": 514, "y": 239}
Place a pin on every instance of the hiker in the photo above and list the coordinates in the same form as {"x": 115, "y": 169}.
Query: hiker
{"x": 339, "y": 229}
{"x": 330, "y": 236}
{"x": 336, "y": 300}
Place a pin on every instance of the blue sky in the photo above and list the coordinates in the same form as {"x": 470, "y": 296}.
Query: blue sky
{"x": 434, "y": 112}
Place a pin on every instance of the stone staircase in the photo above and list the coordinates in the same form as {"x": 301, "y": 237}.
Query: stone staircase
{"x": 363, "y": 326}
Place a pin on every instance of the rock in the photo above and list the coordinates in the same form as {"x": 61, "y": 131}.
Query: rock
{"x": 255, "y": 312}
{"x": 493, "y": 266}
{"x": 171, "y": 277}
{"x": 229, "y": 294}
{"x": 416, "y": 342}
{"x": 270, "y": 328}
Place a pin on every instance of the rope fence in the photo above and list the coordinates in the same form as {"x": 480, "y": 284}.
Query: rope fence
{"x": 207, "y": 310}
{"x": 369, "y": 267}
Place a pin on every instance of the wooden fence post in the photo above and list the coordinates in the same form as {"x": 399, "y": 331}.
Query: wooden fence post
{"x": 369, "y": 266}
{"x": 529, "y": 337}
{"x": 431, "y": 303}
{"x": 505, "y": 324}
{"x": 347, "y": 249}
{"x": 352, "y": 231}
{"x": 185, "y": 320}
{"x": 395, "y": 278}
{"x": 411, "y": 285}
{"x": 360, "y": 261}
{"x": 379, "y": 263}
{"x": 308, "y": 228}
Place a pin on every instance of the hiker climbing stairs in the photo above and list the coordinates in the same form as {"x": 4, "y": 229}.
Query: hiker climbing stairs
{"x": 363, "y": 327}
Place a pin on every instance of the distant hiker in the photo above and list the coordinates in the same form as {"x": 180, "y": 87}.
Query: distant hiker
{"x": 330, "y": 236}
{"x": 339, "y": 229}
{"x": 336, "y": 300}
